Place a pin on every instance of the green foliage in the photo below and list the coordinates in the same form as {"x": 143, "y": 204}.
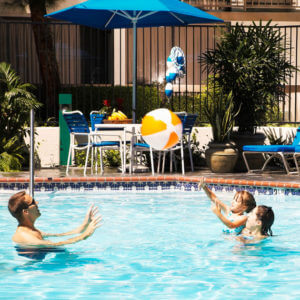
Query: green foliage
{"x": 10, "y": 157}
{"x": 277, "y": 139}
{"x": 111, "y": 158}
{"x": 219, "y": 110}
{"x": 252, "y": 63}
{"x": 16, "y": 100}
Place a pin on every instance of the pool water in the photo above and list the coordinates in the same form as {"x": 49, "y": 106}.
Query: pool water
{"x": 152, "y": 246}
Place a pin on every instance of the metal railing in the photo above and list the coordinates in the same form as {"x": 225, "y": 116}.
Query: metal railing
{"x": 245, "y": 5}
{"x": 94, "y": 65}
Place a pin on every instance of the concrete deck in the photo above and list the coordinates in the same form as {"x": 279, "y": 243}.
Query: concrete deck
{"x": 278, "y": 177}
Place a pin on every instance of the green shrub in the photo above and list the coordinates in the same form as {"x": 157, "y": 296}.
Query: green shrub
{"x": 16, "y": 101}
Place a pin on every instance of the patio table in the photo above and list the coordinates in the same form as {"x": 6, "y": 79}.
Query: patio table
{"x": 126, "y": 129}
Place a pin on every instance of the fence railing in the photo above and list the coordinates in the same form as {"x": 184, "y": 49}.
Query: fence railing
{"x": 94, "y": 65}
{"x": 245, "y": 5}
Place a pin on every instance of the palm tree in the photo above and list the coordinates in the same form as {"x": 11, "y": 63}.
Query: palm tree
{"x": 44, "y": 47}
{"x": 16, "y": 100}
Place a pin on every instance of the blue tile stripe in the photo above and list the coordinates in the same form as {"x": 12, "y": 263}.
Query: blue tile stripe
{"x": 142, "y": 186}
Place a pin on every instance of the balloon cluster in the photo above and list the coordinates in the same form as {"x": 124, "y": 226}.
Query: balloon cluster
{"x": 176, "y": 68}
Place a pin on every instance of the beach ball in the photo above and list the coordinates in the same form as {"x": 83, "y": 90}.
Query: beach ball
{"x": 169, "y": 89}
{"x": 161, "y": 129}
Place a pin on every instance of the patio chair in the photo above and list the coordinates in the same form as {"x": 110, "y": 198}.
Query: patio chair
{"x": 188, "y": 121}
{"x": 284, "y": 152}
{"x": 137, "y": 147}
{"x": 82, "y": 139}
{"x": 96, "y": 118}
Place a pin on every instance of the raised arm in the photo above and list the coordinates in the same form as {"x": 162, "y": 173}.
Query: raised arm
{"x": 230, "y": 224}
{"x": 27, "y": 239}
{"x": 91, "y": 213}
{"x": 212, "y": 196}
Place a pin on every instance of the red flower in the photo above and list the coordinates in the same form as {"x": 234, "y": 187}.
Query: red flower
{"x": 106, "y": 103}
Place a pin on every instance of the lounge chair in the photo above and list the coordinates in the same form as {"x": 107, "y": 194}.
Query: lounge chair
{"x": 296, "y": 154}
{"x": 284, "y": 152}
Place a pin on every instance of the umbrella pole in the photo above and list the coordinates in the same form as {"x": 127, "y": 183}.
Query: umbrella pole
{"x": 134, "y": 73}
{"x": 31, "y": 154}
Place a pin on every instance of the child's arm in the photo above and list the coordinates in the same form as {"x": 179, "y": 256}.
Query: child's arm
{"x": 236, "y": 223}
{"x": 212, "y": 196}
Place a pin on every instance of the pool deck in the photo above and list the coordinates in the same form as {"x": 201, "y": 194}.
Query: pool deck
{"x": 269, "y": 179}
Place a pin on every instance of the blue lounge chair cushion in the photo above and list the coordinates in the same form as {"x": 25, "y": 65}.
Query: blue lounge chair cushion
{"x": 269, "y": 148}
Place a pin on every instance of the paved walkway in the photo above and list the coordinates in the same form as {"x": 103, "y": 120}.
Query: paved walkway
{"x": 58, "y": 174}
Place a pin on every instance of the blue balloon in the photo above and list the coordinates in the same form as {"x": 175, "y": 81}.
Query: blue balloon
{"x": 169, "y": 90}
{"x": 180, "y": 60}
{"x": 172, "y": 77}
{"x": 168, "y": 93}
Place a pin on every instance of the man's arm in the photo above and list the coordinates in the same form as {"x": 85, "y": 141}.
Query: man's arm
{"x": 91, "y": 213}
{"x": 27, "y": 239}
{"x": 237, "y": 223}
{"x": 212, "y": 196}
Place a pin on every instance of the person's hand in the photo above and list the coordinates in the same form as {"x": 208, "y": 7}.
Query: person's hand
{"x": 201, "y": 183}
{"x": 93, "y": 225}
{"x": 91, "y": 213}
{"x": 216, "y": 208}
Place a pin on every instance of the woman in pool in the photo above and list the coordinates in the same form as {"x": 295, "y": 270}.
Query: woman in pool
{"x": 259, "y": 222}
{"x": 234, "y": 218}
{"x": 25, "y": 209}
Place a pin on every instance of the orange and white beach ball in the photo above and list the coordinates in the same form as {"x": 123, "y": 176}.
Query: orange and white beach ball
{"x": 161, "y": 129}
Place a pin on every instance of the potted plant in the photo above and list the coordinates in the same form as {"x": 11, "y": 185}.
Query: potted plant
{"x": 221, "y": 155}
{"x": 253, "y": 64}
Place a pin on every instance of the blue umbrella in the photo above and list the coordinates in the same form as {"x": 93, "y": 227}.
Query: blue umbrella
{"x": 109, "y": 14}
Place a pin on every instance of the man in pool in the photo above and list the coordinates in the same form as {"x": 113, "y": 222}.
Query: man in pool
{"x": 25, "y": 209}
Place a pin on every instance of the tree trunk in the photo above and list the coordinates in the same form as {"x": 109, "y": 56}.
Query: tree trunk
{"x": 46, "y": 55}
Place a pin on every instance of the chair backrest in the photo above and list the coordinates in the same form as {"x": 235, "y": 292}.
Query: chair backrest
{"x": 76, "y": 122}
{"x": 296, "y": 141}
{"x": 96, "y": 118}
{"x": 188, "y": 122}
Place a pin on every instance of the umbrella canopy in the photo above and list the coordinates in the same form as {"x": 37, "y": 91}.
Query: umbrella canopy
{"x": 109, "y": 14}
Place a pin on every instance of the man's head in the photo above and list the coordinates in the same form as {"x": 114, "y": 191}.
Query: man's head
{"x": 22, "y": 206}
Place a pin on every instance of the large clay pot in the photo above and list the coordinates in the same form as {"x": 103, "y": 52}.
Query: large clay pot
{"x": 255, "y": 160}
{"x": 221, "y": 158}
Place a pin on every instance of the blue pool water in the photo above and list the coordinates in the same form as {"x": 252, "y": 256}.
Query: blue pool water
{"x": 152, "y": 246}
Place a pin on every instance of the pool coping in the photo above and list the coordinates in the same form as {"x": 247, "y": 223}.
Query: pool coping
{"x": 160, "y": 178}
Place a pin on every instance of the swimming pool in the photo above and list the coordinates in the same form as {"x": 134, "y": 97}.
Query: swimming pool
{"x": 161, "y": 245}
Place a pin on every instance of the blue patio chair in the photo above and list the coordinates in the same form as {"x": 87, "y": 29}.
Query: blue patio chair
{"x": 188, "y": 121}
{"x": 82, "y": 139}
{"x": 281, "y": 151}
{"x": 137, "y": 147}
{"x": 96, "y": 118}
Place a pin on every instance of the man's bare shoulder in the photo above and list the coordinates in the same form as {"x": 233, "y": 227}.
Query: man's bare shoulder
{"x": 24, "y": 235}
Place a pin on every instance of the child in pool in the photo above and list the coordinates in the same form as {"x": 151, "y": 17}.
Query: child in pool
{"x": 234, "y": 218}
{"x": 258, "y": 225}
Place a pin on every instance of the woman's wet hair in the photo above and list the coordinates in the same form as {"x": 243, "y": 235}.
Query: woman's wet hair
{"x": 248, "y": 200}
{"x": 16, "y": 204}
{"x": 266, "y": 215}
